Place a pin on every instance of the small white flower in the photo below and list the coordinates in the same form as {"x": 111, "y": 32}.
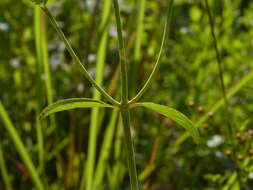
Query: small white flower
{"x": 250, "y": 175}
{"x": 215, "y": 141}
{"x": 92, "y": 58}
{"x": 4, "y": 27}
{"x": 15, "y": 62}
{"x": 112, "y": 30}
{"x": 80, "y": 87}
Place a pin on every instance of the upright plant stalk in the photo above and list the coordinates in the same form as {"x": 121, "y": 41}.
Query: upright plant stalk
{"x": 124, "y": 102}
{"x": 125, "y": 114}
{"x": 94, "y": 125}
{"x": 122, "y": 56}
{"x": 20, "y": 147}
{"x": 219, "y": 63}
{"x": 5, "y": 175}
{"x": 230, "y": 133}
{"x": 39, "y": 89}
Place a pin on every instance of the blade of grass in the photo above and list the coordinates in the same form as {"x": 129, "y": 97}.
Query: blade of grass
{"x": 4, "y": 172}
{"x": 157, "y": 64}
{"x": 46, "y": 65}
{"x": 105, "y": 150}
{"x": 88, "y": 173}
{"x": 39, "y": 90}
{"x": 20, "y": 147}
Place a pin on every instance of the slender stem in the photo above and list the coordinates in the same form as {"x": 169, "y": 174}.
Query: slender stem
{"x": 122, "y": 55}
{"x": 74, "y": 56}
{"x": 124, "y": 102}
{"x": 157, "y": 64}
{"x": 223, "y": 88}
{"x": 130, "y": 149}
{"x": 20, "y": 147}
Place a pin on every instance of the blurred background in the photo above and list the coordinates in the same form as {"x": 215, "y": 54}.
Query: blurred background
{"x": 36, "y": 72}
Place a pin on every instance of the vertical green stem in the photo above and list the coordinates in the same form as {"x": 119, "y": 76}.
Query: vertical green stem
{"x": 130, "y": 150}
{"x": 46, "y": 65}
{"x": 4, "y": 172}
{"x": 124, "y": 102}
{"x": 122, "y": 56}
{"x": 20, "y": 147}
{"x": 39, "y": 89}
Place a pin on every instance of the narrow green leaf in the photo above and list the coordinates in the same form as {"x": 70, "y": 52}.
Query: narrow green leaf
{"x": 174, "y": 115}
{"x": 72, "y": 103}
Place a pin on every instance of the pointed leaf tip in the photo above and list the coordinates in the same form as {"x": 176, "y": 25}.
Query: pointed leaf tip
{"x": 176, "y": 116}
{"x": 72, "y": 103}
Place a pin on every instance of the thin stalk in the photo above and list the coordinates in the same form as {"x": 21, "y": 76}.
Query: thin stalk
{"x": 223, "y": 88}
{"x": 75, "y": 57}
{"x": 46, "y": 65}
{"x": 39, "y": 90}
{"x": 157, "y": 64}
{"x": 4, "y": 172}
{"x": 122, "y": 56}
{"x": 130, "y": 150}
{"x": 124, "y": 102}
{"x": 20, "y": 147}
{"x": 219, "y": 63}
{"x": 88, "y": 173}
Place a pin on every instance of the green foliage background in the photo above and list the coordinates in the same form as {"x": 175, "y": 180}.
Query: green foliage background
{"x": 188, "y": 73}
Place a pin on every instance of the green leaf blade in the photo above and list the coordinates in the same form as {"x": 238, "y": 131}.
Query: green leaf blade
{"x": 72, "y": 103}
{"x": 176, "y": 116}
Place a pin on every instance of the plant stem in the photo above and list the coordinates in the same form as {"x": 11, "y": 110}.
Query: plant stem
{"x": 157, "y": 64}
{"x": 229, "y": 129}
{"x": 20, "y": 147}
{"x": 75, "y": 57}
{"x": 124, "y": 102}
{"x": 122, "y": 56}
{"x": 130, "y": 149}
{"x": 218, "y": 58}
